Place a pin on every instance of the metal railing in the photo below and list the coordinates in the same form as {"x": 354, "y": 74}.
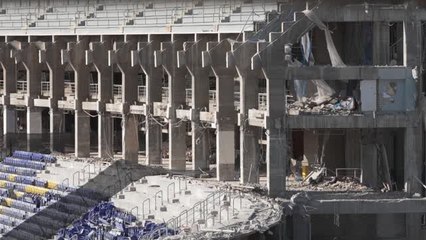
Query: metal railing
{"x": 165, "y": 94}
{"x": 142, "y": 93}
{"x": 1, "y": 87}
{"x": 45, "y": 89}
{"x": 262, "y": 101}
{"x": 117, "y": 91}
{"x": 21, "y": 87}
{"x": 94, "y": 90}
{"x": 212, "y": 95}
{"x": 69, "y": 88}
{"x": 188, "y": 93}
{"x": 202, "y": 210}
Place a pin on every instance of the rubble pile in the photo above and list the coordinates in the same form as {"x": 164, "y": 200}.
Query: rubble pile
{"x": 330, "y": 183}
{"x": 330, "y": 106}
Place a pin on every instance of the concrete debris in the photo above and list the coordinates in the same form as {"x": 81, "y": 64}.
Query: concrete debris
{"x": 329, "y": 183}
{"x": 328, "y": 106}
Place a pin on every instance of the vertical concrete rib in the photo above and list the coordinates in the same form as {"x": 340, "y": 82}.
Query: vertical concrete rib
{"x": 28, "y": 55}
{"x": 50, "y": 54}
{"x": 225, "y": 115}
{"x": 413, "y": 162}
{"x": 167, "y": 57}
{"x": 121, "y": 55}
{"x": 75, "y": 56}
{"x": 9, "y": 78}
{"x": 249, "y": 90}
{"x": 369, "y": 158}
{"x": 98, "y": 55}
{"x": 191, "y": 57}
{"x": 144, "y": 56}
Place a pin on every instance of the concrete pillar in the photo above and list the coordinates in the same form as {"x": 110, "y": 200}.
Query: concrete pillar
{"x": 192, "y": 59}
{"x": 28, "y": 54}
{"x": 249, "y": 90}
{"x": 413, "y": 226}
{"x": 167, "y": 57}
{"x": 144, "y": 57}
{"x": 412, "y": 45}
{"x": 98, "y": 56}
{"x": 301, "y": 225}
{"x": 74, "y": 55}
{"x": 274, "y": 66}
{"x": 225, "y": 115}
{"x": 9, "y": 77}
{"x": 277, "y": 147}
{"x": 352, "y": 148}
{"x": 9, "y": 119}
{"x": 121, "y": 55}
{"x": 369, "y": 158}
{"x": 50, "y": 53}
{"x": 34, "y": 121}
{"x": 413, "y": 161}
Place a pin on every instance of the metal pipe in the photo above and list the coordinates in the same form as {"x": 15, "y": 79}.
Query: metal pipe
{"x": 143, "y": 207}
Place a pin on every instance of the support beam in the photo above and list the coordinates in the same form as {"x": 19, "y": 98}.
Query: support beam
{"x": 275, "y": 69}
{"x": 191, "y": 57}
{"x": 28, "y": 55}
{"x": 9, "y": 78}
{"x": 369, "y": 158}
{"x": 98, "y": 56}
{"x": 226, "y": 115}
{"x": 50, "y": 53}
{"x": 249, "y": 90}
{"x": 413, "y": 161}
{"x": 121, "y": 55}
{"x": 74, "y": 55}
{"x": 167, "y": 57}
{"x": 144, "y": 57}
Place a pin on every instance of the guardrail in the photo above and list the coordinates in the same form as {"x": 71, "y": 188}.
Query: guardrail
{"x": 94, "y": 90}
{"x": 69, "y": 88}
{"x": 117, "y": 90}
{"x": 165, "y": 94}
{"x": 21, "y": 87}
{"x": 142, "y": 93}
{"x": 45, "y": 88}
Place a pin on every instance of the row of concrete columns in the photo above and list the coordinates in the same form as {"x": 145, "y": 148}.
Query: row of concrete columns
{"x": 176, "y": 57}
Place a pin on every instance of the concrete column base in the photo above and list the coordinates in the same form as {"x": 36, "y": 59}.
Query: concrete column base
{"x": 249, "y": 155}
{"x": 225, "y": 155}
{"x": 34, "y": 121}
{"x": 105, "y": 135}
{"x": 57, "y": 143}
{"x": 9, "y": 120}
{"x": 153, "y": 142}
{"x": 82, "y": 134}
{"x": 200, "y": 147}
{"x": 130, "y": 138}
{"x": 177, "y": 146}
{"x": 57, "y": 121}
{"x": 276, "y": 158}
{"x": 34, "y": 142}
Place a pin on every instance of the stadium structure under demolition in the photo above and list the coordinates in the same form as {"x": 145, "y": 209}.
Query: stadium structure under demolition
{"x": 267, "y": 85}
